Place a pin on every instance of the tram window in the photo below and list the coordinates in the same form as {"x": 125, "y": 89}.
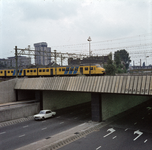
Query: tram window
{"x": 20, "y": 71}
{"x": 76, "y": 69}
{"x": 31, "y": 70}
{"x": 11, "y": 71}
{"x": 34, "y": 70}
{"x": 59, "y": 69}
{"x": 67, "y": 69}
{"x": 91, "y": 68}
{"x": 86, "y": 68}
{"x": 8, "y": 71}
{"x": 71, "y": 69}
{"x": 1, "y": 72}
{"x": 28, "y": 71}
{"x": 47, "y": 70}
{"x": 63, "y": 69}
{"x": 43, "y": 70}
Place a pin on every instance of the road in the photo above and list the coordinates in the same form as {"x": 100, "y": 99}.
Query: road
{"x": 18, "y": 135}
{"x": 132, "y": 132}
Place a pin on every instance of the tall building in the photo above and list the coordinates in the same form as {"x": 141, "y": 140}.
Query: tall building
{"x": 10, "y": 62}
{"x": 42, "y": 54}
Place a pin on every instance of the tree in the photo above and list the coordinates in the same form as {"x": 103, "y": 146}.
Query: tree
{"x": 124, "y": 56}
{"x": 110, "y": 67}
{"x": 119, "y": 67}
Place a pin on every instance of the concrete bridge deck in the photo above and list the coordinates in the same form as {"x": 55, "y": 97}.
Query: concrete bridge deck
{"x": 137, "y": 85}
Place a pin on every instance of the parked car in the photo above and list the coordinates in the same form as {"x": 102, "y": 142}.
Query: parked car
{"x": 43, "y": 114}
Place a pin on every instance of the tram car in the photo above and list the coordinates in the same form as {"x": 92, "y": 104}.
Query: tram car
{"x": 93, "y": 70}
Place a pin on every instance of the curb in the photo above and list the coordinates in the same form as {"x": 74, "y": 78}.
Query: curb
{"x": 12, "y": 122}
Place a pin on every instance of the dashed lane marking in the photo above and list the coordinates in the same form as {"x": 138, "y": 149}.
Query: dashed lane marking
{"x": 114, "y": 137}
{"x": 145, "y": 141}
{"x": 126, "y": 129}
{"x": 25, "y": 126}
{"x": 2, "y": 132}
{"x": 98, "y": 148}
{"x": 21, "y": 135}
{"x": 43, "y": 128}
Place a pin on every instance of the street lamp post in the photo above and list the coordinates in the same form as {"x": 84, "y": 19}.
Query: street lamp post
{"x": 89, "y": 39}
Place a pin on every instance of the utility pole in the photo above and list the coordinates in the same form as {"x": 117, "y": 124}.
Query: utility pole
{"x": 89, "y": 39}
{"x": 55, "y": 62}
{"x": 16, "y": 57}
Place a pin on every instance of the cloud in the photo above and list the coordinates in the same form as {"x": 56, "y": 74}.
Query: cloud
{"x": 67, "y": 22}
{"x": 47, "y": 9}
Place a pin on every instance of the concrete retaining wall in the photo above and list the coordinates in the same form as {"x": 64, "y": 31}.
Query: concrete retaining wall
{"x": 115, "y": 104}
{"x": 7, "y": 92}
{"x": 18, "y": 111}
{"x": 55, "y": 100}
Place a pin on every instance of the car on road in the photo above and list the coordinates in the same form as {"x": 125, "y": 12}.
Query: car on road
{"x": 43, "y": 114}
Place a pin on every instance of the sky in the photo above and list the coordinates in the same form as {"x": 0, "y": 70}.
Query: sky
{"x": 66, "y": 24}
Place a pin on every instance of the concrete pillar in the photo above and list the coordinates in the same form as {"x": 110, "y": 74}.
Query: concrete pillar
{"x": 16, "y": 95}
{"x": 39, "y": 97}
{"x": 96, "y": 107}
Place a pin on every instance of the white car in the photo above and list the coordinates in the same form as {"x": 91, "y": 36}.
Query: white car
{"x": 43, "y": 114}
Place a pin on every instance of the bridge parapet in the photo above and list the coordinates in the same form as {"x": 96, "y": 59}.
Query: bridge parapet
{"x": 138, "y": 85}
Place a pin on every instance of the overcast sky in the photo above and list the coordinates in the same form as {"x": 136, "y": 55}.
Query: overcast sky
{"x": 67, "y": 22}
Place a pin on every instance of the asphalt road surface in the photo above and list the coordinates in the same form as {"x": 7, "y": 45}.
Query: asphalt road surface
{"x": 132, "y": 132}
{"x": 18, "y": 135}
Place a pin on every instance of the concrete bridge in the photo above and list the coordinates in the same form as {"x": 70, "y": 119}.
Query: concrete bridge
{"x": 109, "y": 95}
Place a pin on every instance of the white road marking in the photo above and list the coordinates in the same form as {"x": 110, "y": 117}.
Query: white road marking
{"x": 43, "y": 128}
{"x": 114, "y": 137}
{"x": 111, "y": 131}
{"x": 61, "y": 122}
{"x": 145, "y": 141}
{"x": 2, "y": 132}
{"x": 126, "y": 129}
{"x": 58, "y": 117}
{"x": 25, "y": 126}
{"x": 139, "y": 134}
{"x": 21, "y": 135}
{"x": 98, "y": 148}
